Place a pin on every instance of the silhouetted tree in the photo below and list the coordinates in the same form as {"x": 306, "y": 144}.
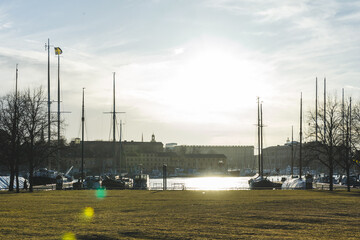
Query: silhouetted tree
{"x": 348, "y": 136}
{"x": 329, "y": 126}
{"x": 23, "y": 121}
{"x": 35, "y": 123}
{"x": 10, "y": 126}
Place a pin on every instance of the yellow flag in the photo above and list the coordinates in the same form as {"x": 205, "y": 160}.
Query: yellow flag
{"x": 58, "y": 51}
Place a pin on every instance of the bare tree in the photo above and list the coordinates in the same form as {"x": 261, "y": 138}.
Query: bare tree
{"x": 10, "y": 115}
{"x": 329, "y": 126}
{"x": 35, "y": 123}
{"x": 355, "y": 135}
{"x": 348, "y": 136}
{"x": 23, "y": 123}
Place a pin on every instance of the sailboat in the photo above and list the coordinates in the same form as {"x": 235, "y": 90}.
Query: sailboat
{"x": 259, "y": 181}
{"x": 294, "y": 182}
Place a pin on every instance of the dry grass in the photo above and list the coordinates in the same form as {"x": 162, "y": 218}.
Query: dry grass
{"x": 181, "y": 215}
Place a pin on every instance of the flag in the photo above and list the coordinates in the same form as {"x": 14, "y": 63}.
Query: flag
{"x": 58, "y": 51}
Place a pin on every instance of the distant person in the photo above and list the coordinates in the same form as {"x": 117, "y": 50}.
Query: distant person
{"x": 25, "y": 185}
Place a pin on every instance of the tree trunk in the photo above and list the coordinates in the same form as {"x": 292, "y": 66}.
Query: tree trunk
{"x": 17, "y": 177}
{"x": 331, "y": 173}
{"x": 31, "y": 175}
{"x": 12, "y": 176}
{"x": 348, "y": 178}
{"x": 31, "y": 168}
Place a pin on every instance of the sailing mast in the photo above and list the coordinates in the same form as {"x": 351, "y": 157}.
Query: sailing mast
{"x": 324, "y": 110}
{"x": 120, "y": 157}
{"x": 262, "y": 144}
{"x": 15, "y": 131}
{"x": 114, "y": 125}
{"x": 258, "y": 125}
{"x": 82, "y": 136}
{"x": 292, "y": 151}
{"x": 300, "y": 159}
{"x": 316, "y": 111}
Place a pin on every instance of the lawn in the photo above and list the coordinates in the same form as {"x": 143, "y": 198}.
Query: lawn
{"x": 267, "y": 214}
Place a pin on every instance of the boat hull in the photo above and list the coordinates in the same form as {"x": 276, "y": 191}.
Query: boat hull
{"x": 263, "y": 183}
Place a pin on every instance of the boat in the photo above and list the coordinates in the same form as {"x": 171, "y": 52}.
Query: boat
{"x": 93, "y": 182}
{"x": 44, "y": 176}
{"x": 259, "y": 181}
{"x": 117, "y": 182}
{"x": 297, "y": 182}
{"x": 141, "y": 181}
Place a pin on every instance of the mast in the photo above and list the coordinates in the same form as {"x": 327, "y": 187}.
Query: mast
{"x": 58, "y": 113}
{"x": 113, "y": 112}
{"x": 324, "y": 110}
{"x": 343, "y": 115}
{"x": 292, "y": 151}
{"x": 114, "y": 125}
{"x": 262, "y": 144}
{"x": 300, "y": 159}
{"x": 82, "y": 136}
{"x": 350, "y": 122}
{"x": 258, "y": 125}
{"x": 120, "y": 146}
{"x": 15, "y": 131}
{"x": 316, "y": 111}
{"x": 49, "y": 102}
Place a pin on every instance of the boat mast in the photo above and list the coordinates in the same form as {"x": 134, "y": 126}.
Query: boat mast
{"x": 15, "y": 132}
{"x": 292, "y": 151}
{"x": 114, "y": 125}
{"x": 316, "y": 111}
{"x": 300, "y": 159}
{"x": 258, "y": 125}
{"x": 121, "y": 145}
{"x": 113, "y": 112}
{"x": 262, "y": 144}
{"x": 343, "y": 115}
{"x": 82, "y": 136}
{"x": 324, "y": 111}
{"x": 349, "y": 134}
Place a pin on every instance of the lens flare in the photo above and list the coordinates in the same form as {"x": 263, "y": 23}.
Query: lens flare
{"x": 69, "y": 236}
{"x": 88, "y": 212}
{"x": 100, "y": 193}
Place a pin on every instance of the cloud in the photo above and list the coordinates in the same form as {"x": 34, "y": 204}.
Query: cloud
{"x": 281, "y": 12}
{"x": 178, "y": 51}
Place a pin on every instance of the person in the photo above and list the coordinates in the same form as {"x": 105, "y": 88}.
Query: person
{"x": 25, "y": 185}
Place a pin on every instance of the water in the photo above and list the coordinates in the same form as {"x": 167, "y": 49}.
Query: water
{"x": 201, "y": 183}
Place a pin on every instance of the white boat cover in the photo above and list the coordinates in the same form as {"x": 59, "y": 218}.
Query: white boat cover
{"x": 294, "y": 183}
{"x": 5, "y": 180}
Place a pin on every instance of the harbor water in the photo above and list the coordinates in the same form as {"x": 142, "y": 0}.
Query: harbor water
{"x": 206, "y": 183}
{"x": 201, "y": 183}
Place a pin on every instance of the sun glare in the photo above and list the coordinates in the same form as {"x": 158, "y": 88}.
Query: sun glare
{"x": 215, "y": 80}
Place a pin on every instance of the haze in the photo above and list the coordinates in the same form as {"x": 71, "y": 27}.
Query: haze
{"x": 187, "y": 71}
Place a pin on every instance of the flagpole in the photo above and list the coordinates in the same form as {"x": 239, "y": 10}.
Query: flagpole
{"x": 82, "y": 136}
{"x": 58, "y": 133}
{"x": 49, "y": 103}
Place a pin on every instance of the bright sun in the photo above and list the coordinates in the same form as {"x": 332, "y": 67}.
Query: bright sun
{"x": 215, "y": 80}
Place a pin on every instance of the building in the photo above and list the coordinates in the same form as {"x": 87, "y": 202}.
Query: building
{"x": 237, "y": 157}
{"x": 102, "y": 157}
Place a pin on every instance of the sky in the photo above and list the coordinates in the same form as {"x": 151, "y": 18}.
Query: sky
{"x": 187, "y": 71}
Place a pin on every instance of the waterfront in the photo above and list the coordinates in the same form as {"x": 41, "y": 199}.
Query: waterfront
{"x": 201, "y": 183}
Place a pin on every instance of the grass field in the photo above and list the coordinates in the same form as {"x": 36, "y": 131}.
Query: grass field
{"x": 88, "y": 214}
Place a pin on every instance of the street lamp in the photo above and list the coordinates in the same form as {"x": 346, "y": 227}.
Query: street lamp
{"x": 58, "y": 52}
